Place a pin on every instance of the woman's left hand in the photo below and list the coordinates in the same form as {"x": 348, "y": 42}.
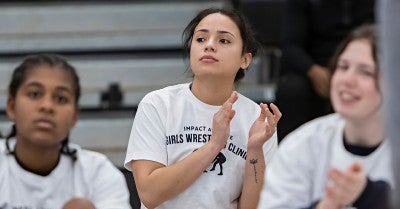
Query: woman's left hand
{"x": 264, "y": 126}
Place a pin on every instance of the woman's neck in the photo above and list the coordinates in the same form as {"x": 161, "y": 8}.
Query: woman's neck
{"x": 38, "y": 160}
{"x": 364, "y": 132}
{"x": 212, "y": 92}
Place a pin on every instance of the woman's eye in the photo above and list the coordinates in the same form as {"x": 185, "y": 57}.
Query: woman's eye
{"x": 367, "y": 71}
{"x": 225, "y": 41}
{"x": 200, "y": 39}
{"x": 61, "y": 100}
{"x": 341, "y": 67}
{"x": 33, "y": 94}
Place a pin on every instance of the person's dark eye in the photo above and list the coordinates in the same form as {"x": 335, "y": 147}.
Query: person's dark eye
{"x": 342, "y": 67}
{"x": 61, "y": 100}
{"x": 200, "y": 40}
{"x": 34, "y": 94}
{"x": 367, "y": 71}
{"x": 225, "y": 41}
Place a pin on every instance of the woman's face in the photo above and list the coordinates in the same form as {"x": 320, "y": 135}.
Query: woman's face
{"x": 216, "y": 48}
{"x": 354, "y": 91}
{"x": 44, "y": 108}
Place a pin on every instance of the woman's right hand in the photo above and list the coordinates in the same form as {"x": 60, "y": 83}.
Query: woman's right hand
{"x": 345, "y": 187}
{"x": 222, "y": 120}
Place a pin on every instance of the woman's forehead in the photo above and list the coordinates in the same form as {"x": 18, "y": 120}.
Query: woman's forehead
{"x": 218, "y": 22}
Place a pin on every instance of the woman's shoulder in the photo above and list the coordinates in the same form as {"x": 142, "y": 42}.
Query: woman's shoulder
{"x": 88, "y": 156}
{"x": 92, "y": 162}
{"x": 3, "y": 151}
{"x": 2, "y": 146}
{"x": 323, "y": 123}
{"x": 93, "y": 169}
{"x": 314, "y": 133}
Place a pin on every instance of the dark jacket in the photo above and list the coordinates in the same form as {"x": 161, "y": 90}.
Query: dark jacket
{"x": 314, "y": 28}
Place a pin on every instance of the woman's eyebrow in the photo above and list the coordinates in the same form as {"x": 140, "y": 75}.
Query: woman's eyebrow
{"x": 219, "y": 31}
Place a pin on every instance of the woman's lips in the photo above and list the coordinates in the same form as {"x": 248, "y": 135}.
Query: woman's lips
{"x": 208, "y": 58}
{"x": 44, "y": 123}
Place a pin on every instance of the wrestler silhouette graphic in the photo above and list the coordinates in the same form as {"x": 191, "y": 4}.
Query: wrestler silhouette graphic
{"x": 220, "y": 159}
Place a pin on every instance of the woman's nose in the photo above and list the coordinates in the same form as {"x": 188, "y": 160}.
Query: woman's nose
{"x": 46, "y": 104}
{"x": 210, "y": 46}
{"x": 350, "y": 76}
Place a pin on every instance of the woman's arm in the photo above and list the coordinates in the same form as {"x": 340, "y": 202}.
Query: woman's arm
{"x": 261, "y": 131}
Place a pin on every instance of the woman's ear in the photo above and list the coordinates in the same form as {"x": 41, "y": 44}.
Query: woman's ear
{"x": 246, "y": 60}
{"x": 76, "y": 117}
{"x": 10, "y": 109}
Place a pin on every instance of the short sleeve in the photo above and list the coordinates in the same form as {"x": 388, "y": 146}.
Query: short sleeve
{"x": 147, "y": 137}
{"x": 109, "y": 189}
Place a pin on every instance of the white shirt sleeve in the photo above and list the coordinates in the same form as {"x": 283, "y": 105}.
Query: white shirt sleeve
{"x": 97, "y": 179}
{"x": 110, "y": 189}
{"x": 147, "y": 138}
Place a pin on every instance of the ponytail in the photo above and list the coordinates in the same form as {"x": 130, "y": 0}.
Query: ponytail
{"x": 10, "y": 135}
{"x": 65, "y": 149}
